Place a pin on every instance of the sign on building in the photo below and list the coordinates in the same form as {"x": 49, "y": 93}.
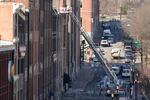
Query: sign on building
{"x": 65, "y": 10}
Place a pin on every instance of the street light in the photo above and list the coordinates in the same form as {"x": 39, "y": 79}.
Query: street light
{"x": 136, "y": 86}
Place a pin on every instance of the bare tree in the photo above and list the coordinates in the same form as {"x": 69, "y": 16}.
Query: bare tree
{"x": 140, "y": 26}
{"x": 140, "y": 29}
{"x": 145, "y": 85}
{"x": 110, "y": 7}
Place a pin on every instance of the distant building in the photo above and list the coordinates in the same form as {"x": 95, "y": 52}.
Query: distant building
{"x": 8, "y": 25}
{"x": 90, "y": 21}
{"x": 90, "y": 16}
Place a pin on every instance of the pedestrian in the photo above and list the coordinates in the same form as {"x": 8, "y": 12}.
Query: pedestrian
{"x": 100, "y": 91}
{"x": 70, "y": 82}
{"x": 67, "y": 82}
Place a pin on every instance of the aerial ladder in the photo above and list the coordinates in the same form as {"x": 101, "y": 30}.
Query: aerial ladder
{"x": 98, "y": 54}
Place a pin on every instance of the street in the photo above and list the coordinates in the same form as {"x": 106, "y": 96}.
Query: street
{"x": 86, "y": 86}
{"x": 74, "y": 50}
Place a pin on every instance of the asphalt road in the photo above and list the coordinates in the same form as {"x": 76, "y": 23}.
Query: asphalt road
{"x": 86, "y": 87}
{"x": 116, "y": 29}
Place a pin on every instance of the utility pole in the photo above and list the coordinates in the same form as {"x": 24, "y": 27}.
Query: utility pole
{"x": 120, "y": 12}
{"x": 136, "y": 86}
{"x": 141, "y": 57}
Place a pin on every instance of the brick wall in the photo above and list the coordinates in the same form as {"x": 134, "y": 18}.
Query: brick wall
{"x": 5, "y": 86}
{"x": 6, "y": 23}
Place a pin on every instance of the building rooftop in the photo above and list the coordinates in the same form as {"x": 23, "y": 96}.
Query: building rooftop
{"x": 6, "y": 45}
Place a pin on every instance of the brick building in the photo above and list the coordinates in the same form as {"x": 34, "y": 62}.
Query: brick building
{"x": 67, "y": 42}
{"x": 48, "y": 41}
{"x": 40, "y": 79}
{"x": 90, "y": 22}
{"x": 13, "y": 27}
{"x": 6, "y": 70}
{"x": 90, "y": 16}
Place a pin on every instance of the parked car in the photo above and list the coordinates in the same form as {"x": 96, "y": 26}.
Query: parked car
{"x": 126, "y": 73}
{"x": 122, "y": 95}
{"x": 128, "y": 48}
{"x": 116, "y": 69}
{"x": 128, "y": 58}
{"x": 111, "y": 39}
{"x": 105, "y": 43}
{"x": 105, "y": 26}
{"x": 128, "y": 53}
{"x": 126, "y": 66}
{"x": 106, "y": 32}
{"x": 115, "y": 50}
{"x": 97, "y": 46}
{"x": 112, "y": 88}
{"x": 104, "y": 82}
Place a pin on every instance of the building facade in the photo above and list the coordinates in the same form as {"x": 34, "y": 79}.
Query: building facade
{"x": 90, "y": 22}
{"x": 40, "y": 79}
{"x": 6, "y": 70}
{"x": 74, "y": 35}
{"x": 67, "y": 42}
{"x": 47, "y": 45}
{"x": 14, "y": 29}
{"x": 90, "y": 16}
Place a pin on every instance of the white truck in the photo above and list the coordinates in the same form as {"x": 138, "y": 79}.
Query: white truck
{"x": 115, "y": 53}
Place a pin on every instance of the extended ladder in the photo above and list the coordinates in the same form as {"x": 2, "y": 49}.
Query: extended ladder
{"x": 98, "y": 54}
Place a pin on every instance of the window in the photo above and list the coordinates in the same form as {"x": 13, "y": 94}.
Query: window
{"x": 64, "y": 35}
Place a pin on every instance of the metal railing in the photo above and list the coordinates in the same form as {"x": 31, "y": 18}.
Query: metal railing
{"x": 98, "y": 54}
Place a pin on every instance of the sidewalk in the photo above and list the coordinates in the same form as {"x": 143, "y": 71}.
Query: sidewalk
{"x": 84, "y": 76}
